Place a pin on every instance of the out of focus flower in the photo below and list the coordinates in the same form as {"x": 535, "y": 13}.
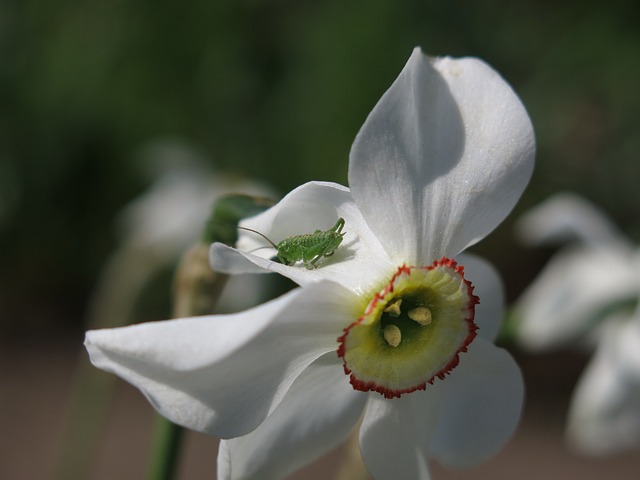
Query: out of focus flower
{"x": 156, "y": 228}
{"x": 389, "y": 325}
{"x": 604, "y": 416}
{"x": 587, "y": 295}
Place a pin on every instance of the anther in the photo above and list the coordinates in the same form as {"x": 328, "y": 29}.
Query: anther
{"x": 393, "y": 309}
{"x": 421, "y": 315}
{"x": 392, "y": 335}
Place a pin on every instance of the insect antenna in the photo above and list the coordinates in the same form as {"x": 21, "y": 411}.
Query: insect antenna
{"x": 261, "y": 234}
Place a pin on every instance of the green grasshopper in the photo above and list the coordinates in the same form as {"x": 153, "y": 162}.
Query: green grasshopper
{"x": 309, "y": 247}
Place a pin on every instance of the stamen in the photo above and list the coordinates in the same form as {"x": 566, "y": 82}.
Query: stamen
{"x": 394, "y": 308}
{"x": 422, "y": 315}
{"x": 392, "y": 335}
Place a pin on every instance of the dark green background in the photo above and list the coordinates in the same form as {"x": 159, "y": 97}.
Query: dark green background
{"x": 275, "y": 90}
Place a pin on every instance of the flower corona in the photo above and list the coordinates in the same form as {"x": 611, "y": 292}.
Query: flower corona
{"x": 412, "y": 331}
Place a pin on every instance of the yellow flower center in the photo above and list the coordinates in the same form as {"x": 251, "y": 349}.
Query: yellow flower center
{"x": 412, "y": 331}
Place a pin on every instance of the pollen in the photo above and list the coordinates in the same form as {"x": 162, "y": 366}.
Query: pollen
{"x": 393, "y": 309}
{"x": 422, "y": 315}
{"x": 395, "y": 351}
{"x": 392, "y": 335}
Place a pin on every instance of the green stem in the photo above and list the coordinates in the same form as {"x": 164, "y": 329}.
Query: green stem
{"x": 165, "y": 450}
{"x": 196, "y": 291}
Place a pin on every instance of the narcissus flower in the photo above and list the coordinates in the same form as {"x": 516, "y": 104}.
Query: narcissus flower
{"x": 395, "y": 328}
{"x": 587, "y": 296}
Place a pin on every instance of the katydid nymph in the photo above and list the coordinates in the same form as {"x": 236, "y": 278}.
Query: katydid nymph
{"x": 308, "y": 248}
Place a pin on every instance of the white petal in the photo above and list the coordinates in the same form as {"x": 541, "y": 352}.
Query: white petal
{"x": 488, "y": 287}
{"x": 572, "y": 291}
{"x": 395, "y": 434}
{"x": 567, "y": 217}
{"x": 481, "y": 406}
{"x": 461, "y": 420}
{"x": 604, "y": 416}
{"x": 229, "y": 260}
{"x": 442, "y": 158}
{"x": 316, "y": 414}
{"x": 224, "y": 374}
{"x": 359, "y": 263}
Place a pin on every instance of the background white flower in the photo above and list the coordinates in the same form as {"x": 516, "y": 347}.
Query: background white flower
{"x": 438, "y": 164}
{"x": 604, "y": 415}
{"x": 156, "y": 228}
{"x": 586, "y": 297}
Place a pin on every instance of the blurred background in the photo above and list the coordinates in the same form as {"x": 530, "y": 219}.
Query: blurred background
{"x": 274, "y": 91}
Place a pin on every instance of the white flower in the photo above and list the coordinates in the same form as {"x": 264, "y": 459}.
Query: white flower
{"x": 604, "y": 415}
{"x": 438, "y": 164}
{"x": 578, "y": 286}
{"x": 157, "y": 227}
{"x": 585, "y": 296}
